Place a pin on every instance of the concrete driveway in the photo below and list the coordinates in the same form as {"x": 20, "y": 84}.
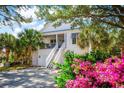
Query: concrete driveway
{"x": 27, "y": 78}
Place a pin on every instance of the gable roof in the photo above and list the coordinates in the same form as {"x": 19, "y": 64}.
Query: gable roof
{"x": 48, "y": 28}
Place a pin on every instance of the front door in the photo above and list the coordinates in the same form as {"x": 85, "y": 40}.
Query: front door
{"x": 60, "y": 40}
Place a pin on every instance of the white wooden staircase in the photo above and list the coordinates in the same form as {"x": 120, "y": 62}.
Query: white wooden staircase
{"x": 55, "y": 55}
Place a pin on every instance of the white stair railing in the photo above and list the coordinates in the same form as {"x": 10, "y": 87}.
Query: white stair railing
{"x": 50, "y": 56}
{"x": 59, "y": 53}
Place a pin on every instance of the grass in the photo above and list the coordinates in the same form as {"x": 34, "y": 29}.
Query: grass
{"x": 16, "y": 67}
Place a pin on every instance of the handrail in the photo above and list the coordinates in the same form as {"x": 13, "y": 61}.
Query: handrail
{"x": 50, "y": 56}
{"x": 59, "y": 53}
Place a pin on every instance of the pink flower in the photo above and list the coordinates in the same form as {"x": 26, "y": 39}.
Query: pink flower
{"x": 109, "y": 73}
{"x": 122, "y": 59}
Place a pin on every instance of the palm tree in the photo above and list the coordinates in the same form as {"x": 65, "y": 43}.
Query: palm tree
{"x": 96, "y": 38}
{"x": 31, "y": 40}
{"x": 85, "y": 39}
{"x": 8, "y": 43}
{"x": 18, "y": 50}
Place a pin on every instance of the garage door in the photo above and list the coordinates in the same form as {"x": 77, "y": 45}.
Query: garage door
{"x": 42, "y": 60}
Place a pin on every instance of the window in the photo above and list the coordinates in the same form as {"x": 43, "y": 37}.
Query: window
{"x": 53, "y": 41}
{"x": 74, "y": 38}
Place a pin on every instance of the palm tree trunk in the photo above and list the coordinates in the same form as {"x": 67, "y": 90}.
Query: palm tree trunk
{"x": 26, "y": 55}
{"x": 7, "y": 54}
{"x": 30, "y": 54}
{"x": 31, "y": 57}
{"x": 15, "y": 57}
{"x": 7, "y": 57}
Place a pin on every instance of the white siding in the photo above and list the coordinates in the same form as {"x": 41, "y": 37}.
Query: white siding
{"x": 40, "y": 56}
{"x": 73, "y": 47}
{"x": 68, "y": 40}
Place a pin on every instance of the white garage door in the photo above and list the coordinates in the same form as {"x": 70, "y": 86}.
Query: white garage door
{"x": 42, "y": 55}
{"x": 42, "y": 60}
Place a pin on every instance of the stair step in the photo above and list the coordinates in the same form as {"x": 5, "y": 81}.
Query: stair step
{"x": 51, "y": 63}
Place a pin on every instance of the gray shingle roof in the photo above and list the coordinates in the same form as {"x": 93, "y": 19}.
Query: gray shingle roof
{"x": 48, "y": 28}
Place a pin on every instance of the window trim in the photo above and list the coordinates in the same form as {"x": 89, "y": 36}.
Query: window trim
{"x": 72, "y": 38}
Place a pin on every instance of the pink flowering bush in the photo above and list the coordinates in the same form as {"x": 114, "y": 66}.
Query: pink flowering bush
{"x": 107, "y": 74}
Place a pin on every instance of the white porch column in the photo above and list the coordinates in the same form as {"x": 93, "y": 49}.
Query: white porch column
{"x": 57, "y": 40}
{"x": 65, "y": 39}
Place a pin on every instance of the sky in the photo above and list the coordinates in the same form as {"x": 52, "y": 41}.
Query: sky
{"x": 35, "y": 24}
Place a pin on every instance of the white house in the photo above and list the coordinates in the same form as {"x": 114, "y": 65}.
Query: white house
{"x": 57, "y": 41}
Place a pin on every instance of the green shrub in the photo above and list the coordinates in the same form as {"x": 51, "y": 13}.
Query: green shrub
{"x": 115, "y": 51}
{"x": 65, "y": 71}
{"x": 95, "y": 56}
{"x": 11, "y": 59}
{"x": 69, "y": 56}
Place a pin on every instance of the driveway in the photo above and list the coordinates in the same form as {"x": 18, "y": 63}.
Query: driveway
{"x": 27, "y": 78}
